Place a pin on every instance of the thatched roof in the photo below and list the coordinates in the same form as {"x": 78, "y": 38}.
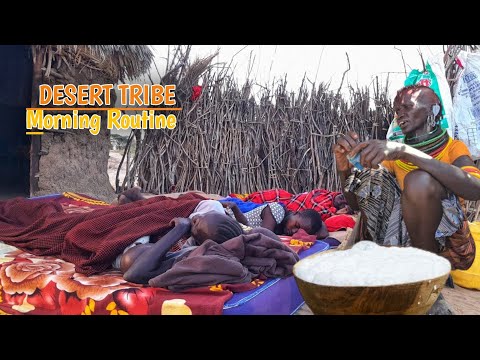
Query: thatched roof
{"x": 119, "y": 62}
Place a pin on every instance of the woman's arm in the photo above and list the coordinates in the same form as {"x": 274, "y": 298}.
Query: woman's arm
{"x": 143, "y": 268}
{"x": 268, "y": 221}
{"x": 451, "y": 176}
{"x": 239, "y": 216}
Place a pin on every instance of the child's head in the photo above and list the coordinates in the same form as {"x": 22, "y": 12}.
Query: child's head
{"x": 308, "y": 220}
{"x": 214, "y": 226}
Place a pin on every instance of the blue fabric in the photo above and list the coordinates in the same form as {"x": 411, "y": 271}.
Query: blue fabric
{"x": 244, "y": 206}
{"x": 332, "y": 242}
{"x": 275, "y": 297}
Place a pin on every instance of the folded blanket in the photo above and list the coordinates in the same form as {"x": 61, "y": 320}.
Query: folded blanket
{"x": 237, "y": 260}
{"x": 90, "y": 240}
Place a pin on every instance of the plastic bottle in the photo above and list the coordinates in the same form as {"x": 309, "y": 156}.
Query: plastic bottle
{"x": 355, "y": 161}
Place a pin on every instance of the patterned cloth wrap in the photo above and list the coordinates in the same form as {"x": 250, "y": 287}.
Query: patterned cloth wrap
{"x": 320, "y": 200}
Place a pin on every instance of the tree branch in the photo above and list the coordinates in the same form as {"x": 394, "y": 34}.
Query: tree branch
{"x": 343, "y": 77}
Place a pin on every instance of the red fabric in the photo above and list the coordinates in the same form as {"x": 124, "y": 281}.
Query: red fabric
{"x": 339, "y": 222}
{"x": 43, "y": 285}
{"x": 320, "y": 200}
{"x": 273, "y": 195}
{"x": 90, "y": 240}
{"x": 299, "y": 241}
{"x": 304, "y": 236}
{"x": 196, "y": 92}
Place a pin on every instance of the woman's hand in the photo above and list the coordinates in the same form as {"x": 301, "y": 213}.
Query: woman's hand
{"x": 373, "y": 152}
{"x": 343, "y": 146}
{"x": 228, "y": 204}
{"x": 239, "y": 216}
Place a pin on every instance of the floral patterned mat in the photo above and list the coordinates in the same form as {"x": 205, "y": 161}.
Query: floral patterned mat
{"x": 31, "y": 284}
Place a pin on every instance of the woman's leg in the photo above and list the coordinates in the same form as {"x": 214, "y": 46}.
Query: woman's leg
{"x": 422, "y": 209}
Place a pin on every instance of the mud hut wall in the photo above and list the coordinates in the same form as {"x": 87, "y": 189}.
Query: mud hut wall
{"x": 75, "y": 160}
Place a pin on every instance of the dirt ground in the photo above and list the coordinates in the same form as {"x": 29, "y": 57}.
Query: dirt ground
{"x": 463, "y": 301}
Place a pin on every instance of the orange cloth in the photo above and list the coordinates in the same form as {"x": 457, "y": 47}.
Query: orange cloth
{"x": 456, "y": 149}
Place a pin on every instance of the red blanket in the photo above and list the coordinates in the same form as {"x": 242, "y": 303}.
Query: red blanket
{"x": 320, "y": 200}
{"x": 90, "y": 240}
{"x": 340, "y": 222}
